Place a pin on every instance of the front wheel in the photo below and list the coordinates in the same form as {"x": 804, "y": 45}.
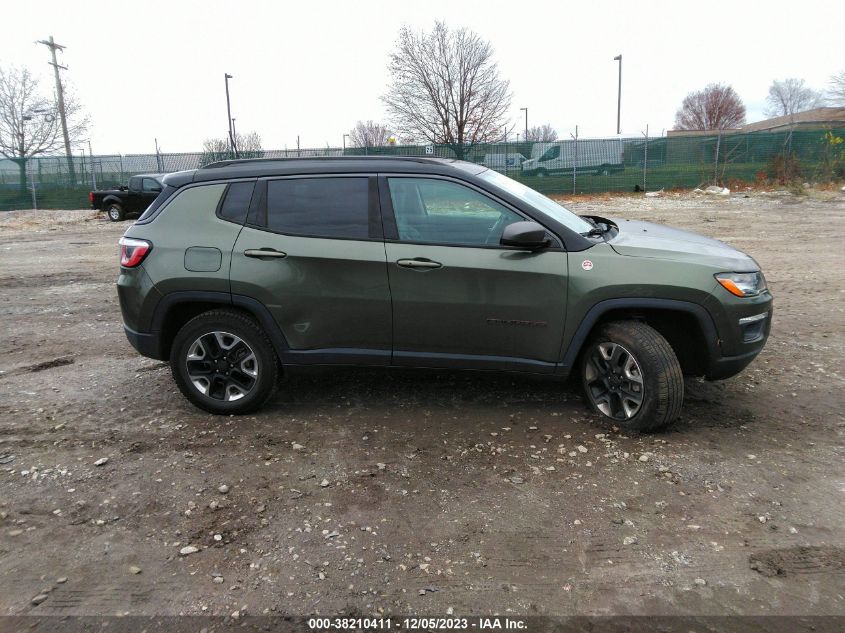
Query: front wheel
{"x": 632, "y": 376}
{"x": 115, "y": 212}
{"x": 223, "y": 362}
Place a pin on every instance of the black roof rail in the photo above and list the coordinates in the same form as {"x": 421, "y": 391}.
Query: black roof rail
{"x": 252, "y": 161}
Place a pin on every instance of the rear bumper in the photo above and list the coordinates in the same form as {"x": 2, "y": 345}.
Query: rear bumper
{"x": 148, "y": 345}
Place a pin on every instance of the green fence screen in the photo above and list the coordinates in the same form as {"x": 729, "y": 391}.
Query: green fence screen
{"x": 569, "y": 167}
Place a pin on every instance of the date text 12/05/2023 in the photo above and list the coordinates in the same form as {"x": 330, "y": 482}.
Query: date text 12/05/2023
{"x": 417, "y": 623}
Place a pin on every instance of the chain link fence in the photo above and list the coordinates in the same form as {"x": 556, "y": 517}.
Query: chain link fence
{"x": 573, "y": 166}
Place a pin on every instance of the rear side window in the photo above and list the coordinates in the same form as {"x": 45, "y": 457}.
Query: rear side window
{"x": 319, "y": 207}
{"x": 236, "y": 202}
{"x": 150, "y": 185}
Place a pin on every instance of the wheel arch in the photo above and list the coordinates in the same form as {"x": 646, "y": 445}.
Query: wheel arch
{"x": 112, "y": 200}
{"x": 687, "y": 327}
{"x": 177, "y": 308}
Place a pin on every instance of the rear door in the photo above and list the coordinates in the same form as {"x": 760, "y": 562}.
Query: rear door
{"x": 459, "y": 298}
{"x": 312, "y": 252}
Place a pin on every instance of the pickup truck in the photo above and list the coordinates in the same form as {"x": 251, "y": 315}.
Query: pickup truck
{"x": 134, "y": 199}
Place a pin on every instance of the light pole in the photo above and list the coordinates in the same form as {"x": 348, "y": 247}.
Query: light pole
{"x": 526, "y": 124}
{"x": 234, "y": 129}
{"x": 344, "y": 143}
{"x": 227, "y": 77}
{"x": 619, "y": 97}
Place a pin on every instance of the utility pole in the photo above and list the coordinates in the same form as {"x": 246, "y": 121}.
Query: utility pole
{"x": 60, "y": 96}
{"x": 619, "y": 97}
{"x": 526, "y": 123}
{"x": 227, "y": 77}
{"x": 93, "y": 175}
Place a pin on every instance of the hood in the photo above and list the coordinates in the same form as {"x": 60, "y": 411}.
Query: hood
{"x": 646, "y": 239}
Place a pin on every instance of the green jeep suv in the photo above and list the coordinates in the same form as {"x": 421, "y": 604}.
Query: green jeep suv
{"x": 245, "y": 269}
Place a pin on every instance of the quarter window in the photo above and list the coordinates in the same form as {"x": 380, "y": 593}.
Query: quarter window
{"x": 320, "y": 207}
{"x": 435, "y": 211}
{"x": 236, "y": 202}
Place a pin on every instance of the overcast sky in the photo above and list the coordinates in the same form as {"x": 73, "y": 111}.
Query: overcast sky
{"x": 155, "y": 69}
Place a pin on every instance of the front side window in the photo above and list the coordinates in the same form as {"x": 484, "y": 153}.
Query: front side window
{"x": 436, "y": 211}
{"x": 552, "y": 153}
{"x": 319, "y": 207}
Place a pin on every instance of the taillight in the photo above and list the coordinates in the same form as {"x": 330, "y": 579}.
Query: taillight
{"x": 90, "y": 196}
{"x": 132, "y": 251}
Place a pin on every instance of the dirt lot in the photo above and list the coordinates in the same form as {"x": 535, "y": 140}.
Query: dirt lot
{"x": 408, "y": 493}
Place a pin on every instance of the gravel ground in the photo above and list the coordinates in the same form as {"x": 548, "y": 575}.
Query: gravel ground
{"x": 361, "y": 492}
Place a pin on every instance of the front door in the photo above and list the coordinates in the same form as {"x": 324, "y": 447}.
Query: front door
{"x": 313, "y": 254}
{"x": 459, "y": 298}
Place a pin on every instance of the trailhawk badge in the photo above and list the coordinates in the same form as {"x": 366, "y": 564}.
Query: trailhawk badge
{"x": 587, "y": 264}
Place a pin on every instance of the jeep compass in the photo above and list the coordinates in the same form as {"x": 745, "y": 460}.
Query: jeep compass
{"x": 245, "y": 269}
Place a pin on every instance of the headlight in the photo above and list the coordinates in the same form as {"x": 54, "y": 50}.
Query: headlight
{"x": 742, "y": 284}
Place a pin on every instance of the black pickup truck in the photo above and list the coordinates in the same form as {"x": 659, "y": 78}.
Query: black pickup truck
{"x": 120, "y": 202}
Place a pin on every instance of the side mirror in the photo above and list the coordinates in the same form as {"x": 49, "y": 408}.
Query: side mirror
{"x": 526, "y": 235}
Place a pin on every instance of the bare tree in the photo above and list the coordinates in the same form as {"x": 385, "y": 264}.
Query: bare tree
{"x": 790, "y": 96}
{"x": 29, "y": 122}
{"x": 369, "y": 134}
{"x": 836, "y": 92}
{"x": 717, "y": 107}
{"x": 542, "y": 133}
{"x": 446, "y": 89}
{"x": 215, "y": 149}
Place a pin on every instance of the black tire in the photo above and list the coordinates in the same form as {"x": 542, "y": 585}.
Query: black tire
{"x": 541, "y": 173}
{"x": 613, "y": 384}
{"x": 604, "y": 170}
{"x": 115, "y": 212}
{"x": 225, "y": 367}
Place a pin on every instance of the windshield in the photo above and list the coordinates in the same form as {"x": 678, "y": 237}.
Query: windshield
{"x": 537, "y": 200}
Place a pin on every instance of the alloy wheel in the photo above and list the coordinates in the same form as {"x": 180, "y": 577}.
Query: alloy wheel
{"x": 222, "y": 366}
{"x": 614, "y": 381}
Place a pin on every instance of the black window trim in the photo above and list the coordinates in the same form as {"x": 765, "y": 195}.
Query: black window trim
{"x": 391, "y": 232}
{"x": 374, "y": 222}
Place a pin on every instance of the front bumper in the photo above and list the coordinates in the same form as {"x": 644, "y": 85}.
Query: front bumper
{"x": 743, "y": 326}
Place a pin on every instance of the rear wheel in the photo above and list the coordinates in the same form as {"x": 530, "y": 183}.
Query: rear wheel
{"x": 115, "y": 212}
{"x": 224, "y": 363}
{"x": 631, "y": 375}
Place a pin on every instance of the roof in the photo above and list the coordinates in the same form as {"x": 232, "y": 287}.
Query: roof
{"x": 835, "y": 117}
{"x": 817, "y": 115}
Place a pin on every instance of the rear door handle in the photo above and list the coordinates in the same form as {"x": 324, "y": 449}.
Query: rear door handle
{"x": 261, "y": 253}
{"x": 418, "y": 263}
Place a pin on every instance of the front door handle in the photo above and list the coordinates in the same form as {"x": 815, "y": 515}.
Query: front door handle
{"x": 261, "y": 253}
{"x": 418, "y": 263}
